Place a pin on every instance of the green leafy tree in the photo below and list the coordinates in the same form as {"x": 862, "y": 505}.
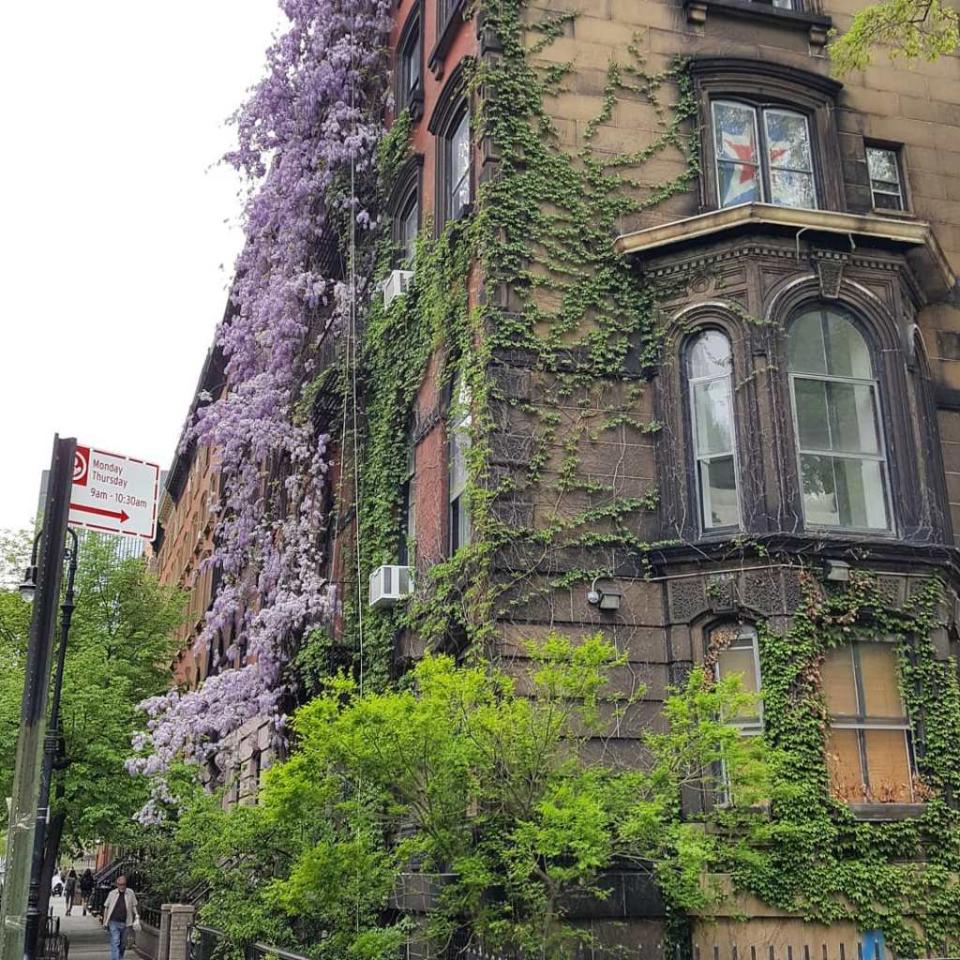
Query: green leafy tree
{"x": 494, "y": 788}
{"x": 119, "y": 652}
{"x": 912, "y": 29}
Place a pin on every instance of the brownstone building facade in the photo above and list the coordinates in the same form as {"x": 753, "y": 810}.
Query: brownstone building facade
{"x": 807, "y": 396}
{"x": 801, "y": 419}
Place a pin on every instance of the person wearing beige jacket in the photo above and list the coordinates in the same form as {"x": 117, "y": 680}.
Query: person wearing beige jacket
{"x": 120, "y": 912}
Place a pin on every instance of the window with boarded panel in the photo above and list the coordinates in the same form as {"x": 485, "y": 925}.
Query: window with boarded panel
{"x": 868, "y": 745}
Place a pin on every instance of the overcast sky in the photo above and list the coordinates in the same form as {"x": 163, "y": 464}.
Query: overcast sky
{"x": 114, "y": 250}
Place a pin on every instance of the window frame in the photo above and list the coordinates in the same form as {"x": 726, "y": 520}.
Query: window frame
{"x": 459, "y": 422}
{"x": 862, "y": 722}
{"x": 452, "y": 107}
{"x": 745, "y": 631}
{"x": 410, "y": 95}
{"x": 408, "y": 184}
{"x": 689, "y": 384}
{"x": 763, "y": 165}
{"x": 778, "y": 86}
{"x": 406, "y": 548}
{"x": 897, "y": 151}
{"x": 876, "y": 385}
{"x": 407, "y": 258}
{"x": 451, "y": 190}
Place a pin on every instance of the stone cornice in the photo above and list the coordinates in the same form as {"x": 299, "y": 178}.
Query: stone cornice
{"x": 913, "y": 238}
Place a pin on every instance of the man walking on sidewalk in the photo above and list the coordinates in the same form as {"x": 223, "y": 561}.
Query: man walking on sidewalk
{"x": 119, "y": 912}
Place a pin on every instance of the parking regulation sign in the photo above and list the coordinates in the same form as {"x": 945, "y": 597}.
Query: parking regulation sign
{"x": 112, "y": 493}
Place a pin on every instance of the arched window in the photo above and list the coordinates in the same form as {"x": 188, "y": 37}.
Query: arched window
{"x": 709, "y": 363}
{"x": 836, "y": 409}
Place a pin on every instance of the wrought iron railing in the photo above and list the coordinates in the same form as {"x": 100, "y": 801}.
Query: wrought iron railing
{"x": 206, "y": 943}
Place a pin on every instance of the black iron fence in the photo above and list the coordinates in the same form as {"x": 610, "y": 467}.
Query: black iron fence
{"x": 207, "y": 943}
{"x": 53, "y": 944}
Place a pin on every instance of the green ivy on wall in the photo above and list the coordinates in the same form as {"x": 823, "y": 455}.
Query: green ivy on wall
{"x": 556, "y": 294}
{"x": 817, "y": 858}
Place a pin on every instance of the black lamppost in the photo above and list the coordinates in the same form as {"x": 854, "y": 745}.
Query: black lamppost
{"x": 52, "y": 739}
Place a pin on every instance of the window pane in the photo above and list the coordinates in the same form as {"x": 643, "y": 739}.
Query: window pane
{"x": 735, "y": 139}
{"x": 837, "y": 678}
{"x": 860, "y": 493}
{"x": 813, "y": 422}
{"x": 847, "y": 352}
{"x": 714, "y": 418}
{"x": 718, "y": 486}
{"x": 740, "y": 660}
{"x": 843, "y": 492}
{"x": 853, "y": 425}
{"x": 459, "y": 169}
{"x": 888, "y": 766}
{"x": 887, "y": 201}
{"x": 739, "y": 183}
{"x": 881, "y": 688}
{"x": 735, "y": 132}
{"x": 409, "y": 227}
{"x": 843, "y": 765}
{"x": 790, "y": 189}
{"x": 806, "y": 344}
{"x": 788, "y": 141}
{"x": 882, "y": 165}
{"x": 410, "y": 63}
{"x": 709, "y": 355}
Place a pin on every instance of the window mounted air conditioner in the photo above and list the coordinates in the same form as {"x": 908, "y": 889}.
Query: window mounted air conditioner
{"x": 397, "y": 283}
{"x": 390, "y": 584}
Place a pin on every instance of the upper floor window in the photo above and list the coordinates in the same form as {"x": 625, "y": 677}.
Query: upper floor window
{"x": 869, "y": 750}
{"x": 886, "y": 181}
{"x": 408, "y": 508}
{"x": 410, "y": 66}
{"x": 445, "y": 10}
{"x": 407, "y": 228}
{"x": 763, "y": 154}
{"x": 709, "y": 368}
{"x": 456, "y": 172}
{"x": 839, "y": 433}
{"x": 459, "y": 445}
{"x": 739, "y": 656}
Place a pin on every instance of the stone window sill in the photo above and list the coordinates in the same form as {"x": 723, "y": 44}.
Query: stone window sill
{"x": 816, "y": 24}
{"x": 887, "y": 811}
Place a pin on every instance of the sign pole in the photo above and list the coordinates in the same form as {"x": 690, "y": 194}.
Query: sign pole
{"x": 30, "y": 742}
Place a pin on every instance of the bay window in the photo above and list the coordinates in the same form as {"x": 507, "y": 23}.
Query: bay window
{"x": 763, "y": 155}
{"x": 709, "y": 368}
{"x": 836, "y": 407}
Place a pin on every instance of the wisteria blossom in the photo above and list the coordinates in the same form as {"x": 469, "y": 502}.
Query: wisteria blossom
{"x": 307, "y": 141}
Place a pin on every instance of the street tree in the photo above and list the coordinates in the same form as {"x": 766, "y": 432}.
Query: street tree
{"x": 119, "y": 651}
{"x": 909, "y": 29}
{"x": 494, "y": 782}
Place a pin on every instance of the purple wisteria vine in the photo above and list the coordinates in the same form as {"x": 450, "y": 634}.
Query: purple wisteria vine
{"x": 307, "y": 141}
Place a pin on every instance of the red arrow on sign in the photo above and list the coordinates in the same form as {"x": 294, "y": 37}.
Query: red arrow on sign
{"x": 121, "y": 516}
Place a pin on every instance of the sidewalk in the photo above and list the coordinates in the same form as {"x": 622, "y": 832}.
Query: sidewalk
{"x": 88, "y": 940}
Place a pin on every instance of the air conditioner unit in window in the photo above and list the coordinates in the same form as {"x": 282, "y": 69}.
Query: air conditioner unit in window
{"x": 390, "y": 584}
{"x": 397, "y": 283}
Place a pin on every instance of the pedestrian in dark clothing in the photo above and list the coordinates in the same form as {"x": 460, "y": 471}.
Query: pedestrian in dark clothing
{"x": 86, "y": 889}
{"x": 70, "y": 889}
